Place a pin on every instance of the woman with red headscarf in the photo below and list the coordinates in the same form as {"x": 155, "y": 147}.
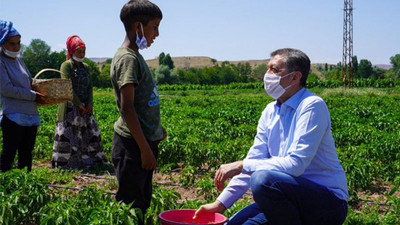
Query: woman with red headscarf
{"x": 77, "y": 142}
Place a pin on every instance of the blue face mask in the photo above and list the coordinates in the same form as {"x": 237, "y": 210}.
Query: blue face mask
{"x": 141, "y": 42}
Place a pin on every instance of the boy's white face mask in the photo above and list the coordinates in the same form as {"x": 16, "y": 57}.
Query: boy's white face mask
{"x": 272, "y": 85}
{"x": 141, "y": 42}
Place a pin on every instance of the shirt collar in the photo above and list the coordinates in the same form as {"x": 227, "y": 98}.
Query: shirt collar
{"x": 295, "y": 100}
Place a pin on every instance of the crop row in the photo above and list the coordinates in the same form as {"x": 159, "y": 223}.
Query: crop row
{"x": 205, "y": 130}
{"x": 312, "y": 83}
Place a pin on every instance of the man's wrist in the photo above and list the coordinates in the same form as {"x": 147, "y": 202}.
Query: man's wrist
{"x": 220, "y": 206}
{"x": 240, "y": 165}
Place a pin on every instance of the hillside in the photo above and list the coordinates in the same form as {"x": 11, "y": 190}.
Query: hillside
{"x": 203, "y": 61}
{"x": 200, "y": 62}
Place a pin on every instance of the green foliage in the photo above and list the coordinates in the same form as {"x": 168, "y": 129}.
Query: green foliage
{"x": 395, "y": 71}
{"x": 243, "y": 70}
{"x": 259, "y": 71}
{"x": 225, "y": 73}
{"x": 334, "y": 75}
{"x": 206, "y": 187}
{"x": 161, "y": 58}
{"x": 355, "y": 65}
{"x": 166, "y": 60}
{"x": 37, "y": 56}
{"x": 187, "y": 176}
{"x": 22, "y": 196}
{"x": 108, "y": 61}
{"x": 219, "y": 130}
{"x": 104, "y": 77}
{"x": 161, "y": 200}
{"x": 93, "y": 70}
{"x": 312, "y": 78}
{"x": 90, "y": 206}
{"x": 164, "y": 75}
{"x": 364, "y": 69}
{"x": 207, "y": 126}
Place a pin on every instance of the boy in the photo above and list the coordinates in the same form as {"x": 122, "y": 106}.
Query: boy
{"x": 138, "y": 130}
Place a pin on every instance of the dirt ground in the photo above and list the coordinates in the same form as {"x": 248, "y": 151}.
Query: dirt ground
{"x": 168, "y": 181}
{"x": 376, "y": 197}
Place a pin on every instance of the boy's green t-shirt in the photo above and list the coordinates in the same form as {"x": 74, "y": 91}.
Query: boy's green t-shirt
{"x": 129, "y": 67}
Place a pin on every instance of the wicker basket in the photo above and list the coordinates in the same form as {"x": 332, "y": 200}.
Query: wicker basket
{"x": 56, "y": 90}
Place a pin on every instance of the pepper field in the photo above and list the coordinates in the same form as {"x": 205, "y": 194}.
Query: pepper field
{"x": 205, "y": 128}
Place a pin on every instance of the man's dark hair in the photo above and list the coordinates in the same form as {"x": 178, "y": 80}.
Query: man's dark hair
{"x": 296, "y": 60}
{"x": 139, "y": 11}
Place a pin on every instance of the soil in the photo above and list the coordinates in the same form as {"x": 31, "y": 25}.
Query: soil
{"x": 376, "y": 196}
{"x": 108, "y": 181}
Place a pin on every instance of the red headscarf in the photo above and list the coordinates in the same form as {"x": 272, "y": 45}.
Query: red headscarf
{"x": 73, "y": 43}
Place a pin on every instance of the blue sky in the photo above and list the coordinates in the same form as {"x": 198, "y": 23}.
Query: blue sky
{"x": 221, "y": 29}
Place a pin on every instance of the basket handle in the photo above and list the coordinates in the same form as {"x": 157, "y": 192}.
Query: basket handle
{"x": 45, "y": 70}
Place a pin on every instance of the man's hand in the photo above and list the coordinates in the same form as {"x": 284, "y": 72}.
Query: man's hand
{"x": 225, "y": 172}
{"x": 40, "y": 98}
{"x": 215, "y": 207}
{"x": 148, "y": 160}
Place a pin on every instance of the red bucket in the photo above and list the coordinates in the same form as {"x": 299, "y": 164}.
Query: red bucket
{"x": 185, "y": 216}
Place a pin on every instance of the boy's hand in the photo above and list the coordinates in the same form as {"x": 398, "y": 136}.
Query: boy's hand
{"x": 148, "y": 160}
{"x": 164, "y": 135}
{"x": 216, "y": 206}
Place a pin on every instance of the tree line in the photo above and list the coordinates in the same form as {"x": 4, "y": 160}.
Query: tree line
{"x": 363, "y": 69}
{"x": 226, "y": 73}
{"x": 38, "y": 55}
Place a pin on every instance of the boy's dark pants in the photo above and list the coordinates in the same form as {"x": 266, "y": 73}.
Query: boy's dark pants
{"x": 135, "y": 183}
{"x": 16, "y": 137}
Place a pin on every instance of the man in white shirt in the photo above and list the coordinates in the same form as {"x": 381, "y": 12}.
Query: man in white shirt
{"x": 292, "y": 168}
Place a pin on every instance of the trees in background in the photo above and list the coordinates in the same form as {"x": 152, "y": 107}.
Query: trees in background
{"x": 225, "y": 73}
{"x": 394, "y": 72}
{"x": 166, "y": 60}
{"x": 395, "y": 61}
{"x": 364, "y": 69}
{"x": 104, "y": 77}
{"x": 165, "y": 75}
{"x": 38, "y": 55}
{"x": 259, "y": 72}
{"x": 355, "y": 64}
{"x": 243, "y": 71}
{"x": 94, "y": 72}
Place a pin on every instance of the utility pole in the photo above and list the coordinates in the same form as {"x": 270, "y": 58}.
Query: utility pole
{"x": 347, "y": 67}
